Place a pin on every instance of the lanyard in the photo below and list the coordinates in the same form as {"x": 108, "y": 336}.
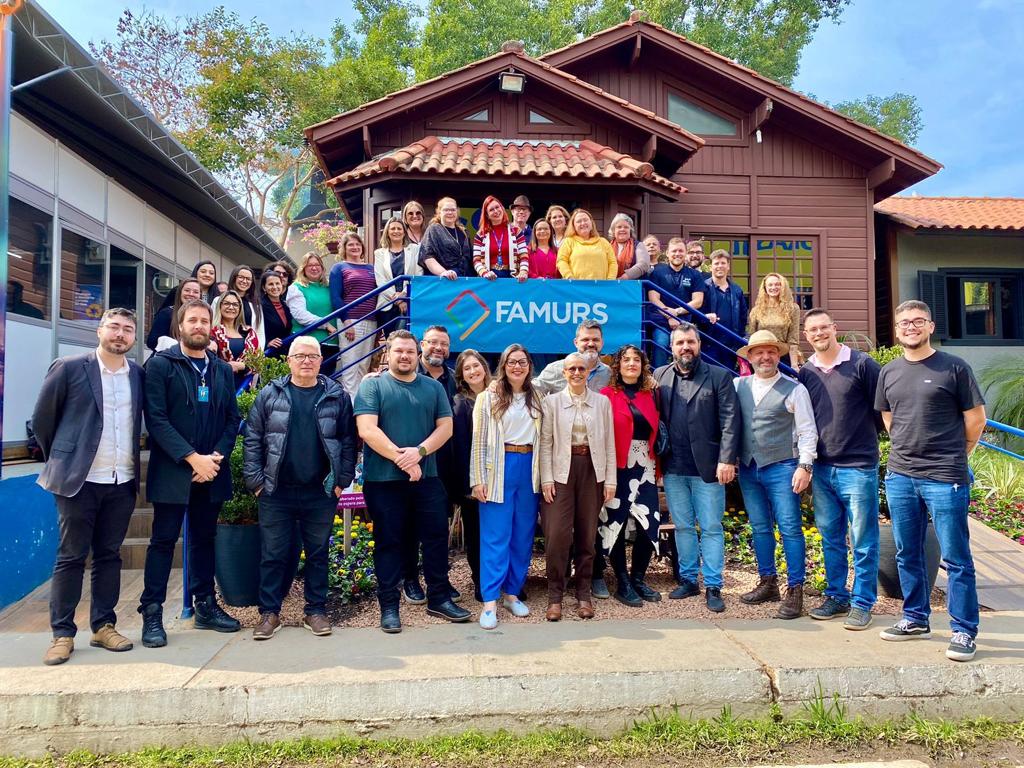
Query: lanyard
{"x": 202, "y": 373}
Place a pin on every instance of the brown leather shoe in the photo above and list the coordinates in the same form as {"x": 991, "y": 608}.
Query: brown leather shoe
{"x": 766, "y": 591}
{"x": 269, "y": 626}
{"x": 317, "y": 623}
{"x": 585, "y": 610}
{"x": 60, "y": 650}
{"x": 554, "y": 612}
{"x": 793, "y": 606}
{"x": 109, "y": 638}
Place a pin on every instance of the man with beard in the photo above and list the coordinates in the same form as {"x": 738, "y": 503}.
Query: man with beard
{"x": 777, "y": 450}
{"x": 694, "y": 254}
{"x": 403, "y": 418}
{"x": 192, "y": 418}
{"x": 434, "y": 350}
{"x": 87, "y": 420}
{"x": 676, "y": 285}
{"x": 698, "y": 403}
{"x": 841, "y": 382}
{"x": 935, "y": 414}
{"x": 589, "y": 342}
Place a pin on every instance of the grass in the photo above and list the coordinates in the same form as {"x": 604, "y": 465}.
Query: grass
{"x": 821, "y": 724}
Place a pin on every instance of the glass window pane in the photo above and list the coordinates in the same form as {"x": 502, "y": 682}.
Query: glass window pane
{"x": 124, "y": 285}
{"x": 538, "y": 119}
{"x": 81, "y": 277}
{"x": 979, "y": 308}
{"x": 478, "y": 117}
{"x": 695, "y": 118}
{"x": 29, "y": 261}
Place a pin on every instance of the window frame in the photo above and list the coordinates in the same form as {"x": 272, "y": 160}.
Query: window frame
{"x": 941, "y": 288}
{"x": 741, "y": 138}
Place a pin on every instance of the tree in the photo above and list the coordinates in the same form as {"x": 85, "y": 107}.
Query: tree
{"x": 898, "y": 115}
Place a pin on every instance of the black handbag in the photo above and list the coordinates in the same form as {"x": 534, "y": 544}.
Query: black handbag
{"x": 661, "y": 447}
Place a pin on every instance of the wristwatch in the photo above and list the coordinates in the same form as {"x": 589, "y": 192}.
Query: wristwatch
{"x": 423, "y": 451}
{"x": 808, "y": 468}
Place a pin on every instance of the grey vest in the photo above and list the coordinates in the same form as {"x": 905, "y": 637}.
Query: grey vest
{"x": 768, "y": 426}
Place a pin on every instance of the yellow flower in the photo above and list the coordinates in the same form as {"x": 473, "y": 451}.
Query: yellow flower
{"x": 354, "y": 534}
{"x": 370, "y": 544}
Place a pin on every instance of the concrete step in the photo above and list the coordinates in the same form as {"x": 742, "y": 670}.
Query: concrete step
{"x": 133, "y": 553}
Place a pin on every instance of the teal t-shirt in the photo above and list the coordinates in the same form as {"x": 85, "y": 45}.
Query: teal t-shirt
{"x": 407, "y": 412}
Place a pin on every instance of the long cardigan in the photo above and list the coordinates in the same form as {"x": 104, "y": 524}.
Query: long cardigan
{"x": 487, "y": 455}
{"x": 382, "y": 271}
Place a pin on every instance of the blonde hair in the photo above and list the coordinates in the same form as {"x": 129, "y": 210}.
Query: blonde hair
{"x": 553, "y": 208}
{"x": 437, "y": 212}
{"x": 300, "y": 274}
{"x": 342, "y": 254}
{"x": 570, "y": 228}
{"x": 765, "y": 305}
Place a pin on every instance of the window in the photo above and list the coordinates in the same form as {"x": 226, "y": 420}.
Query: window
{"x": 739, "y": 250}
{"x": 480, "y": 116}
{"x": 82, "y": 277}
{"x": 538, "y": 119}
{"x": 975, "y": 306}
{"x": 124, "y": 279}
{"x": 697, "y": 119}
{"x": 792, "y": 258}
{"x": 158, "y": 286}
{"x": 29, "y": 261}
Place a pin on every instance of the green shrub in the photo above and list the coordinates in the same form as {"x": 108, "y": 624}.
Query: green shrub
{"x": 883, "y": 355}
{"x": 241, "y": 509}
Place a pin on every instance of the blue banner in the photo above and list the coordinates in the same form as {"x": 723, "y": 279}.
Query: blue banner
{"x": 542, "y": 315}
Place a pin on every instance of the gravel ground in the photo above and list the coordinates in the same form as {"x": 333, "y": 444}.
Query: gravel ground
{"x": 365, "y": 613}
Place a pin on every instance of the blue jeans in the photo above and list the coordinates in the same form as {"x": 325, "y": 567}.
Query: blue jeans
{"x": 507, "y": 530}
{"x": 660, "y": 336}
{"x": 768, "y": 494}
{"x": 847, "y": 498}
{"x": 911, "y": 501}
{"x": 691, "y": 501}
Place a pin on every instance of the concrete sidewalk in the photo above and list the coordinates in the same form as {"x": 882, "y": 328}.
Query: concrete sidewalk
{"x": 207, "y": 688}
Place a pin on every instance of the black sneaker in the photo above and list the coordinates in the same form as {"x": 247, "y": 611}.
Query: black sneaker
{"x": 390, "y": 621}
{"x": 829, "y": 609}
{"x": 713, "y": 597}
{"x": 153, "y": 633}
{"x": 905, "y": 629}
{"x": 685, "y": 589}
{"x": 625, "y": 593}
{"x": 450, "y": 612}
{"x": 454, "y": 595}
{"x": 599, "y": 589}
{"x": 209, "y": 615}
{"x": 645, "y": 592}
{"x": 961, "y": 647}
{"x": 413, "y": 591}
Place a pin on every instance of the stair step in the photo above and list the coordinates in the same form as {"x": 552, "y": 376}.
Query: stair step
{"x": 133, "y": 553}
{"x": 141, "y": 524}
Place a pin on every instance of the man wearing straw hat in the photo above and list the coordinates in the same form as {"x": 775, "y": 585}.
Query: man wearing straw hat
{"x": 777, "y": 450}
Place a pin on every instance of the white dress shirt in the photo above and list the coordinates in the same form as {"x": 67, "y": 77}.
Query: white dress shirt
{"x": 115, "y": 456}
{"x": 843, "y": 356}
{"x": 805, "y": 431}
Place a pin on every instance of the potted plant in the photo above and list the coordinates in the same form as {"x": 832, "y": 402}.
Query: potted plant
{"x": 237, "y": 546}
{"x": 325, "y": 236}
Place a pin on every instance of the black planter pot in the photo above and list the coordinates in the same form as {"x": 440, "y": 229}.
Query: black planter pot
{"x": 888, "y": 574}
{"x": 238, "y": 564}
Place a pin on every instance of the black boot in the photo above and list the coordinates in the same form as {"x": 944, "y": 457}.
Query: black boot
{"x": 625, "y": 593}
{"x": 209, "y": 615}
{"x": 645, "y": 592}
{"x": 153, "y": 634}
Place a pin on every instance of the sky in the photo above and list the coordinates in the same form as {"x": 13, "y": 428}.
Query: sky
{"x": 962, "y": 59}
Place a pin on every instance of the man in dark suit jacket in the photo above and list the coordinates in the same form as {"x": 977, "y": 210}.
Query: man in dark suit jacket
{"x": 698, "y": 403}
{"x": 88, "y": 420}
{"x": 192, "y": 417}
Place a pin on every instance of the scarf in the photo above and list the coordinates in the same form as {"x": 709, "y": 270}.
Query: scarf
{"x": 625, "y": 256}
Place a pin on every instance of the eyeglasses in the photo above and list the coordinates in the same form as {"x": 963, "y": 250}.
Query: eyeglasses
{"x": 303, "y": 357}
{"x": 227, "y": 304}
{"x": 414, "y": 213}
{"x": 917, "y": 322}
{"x": 517, "y": 363}
{"x": 576, "y": 369}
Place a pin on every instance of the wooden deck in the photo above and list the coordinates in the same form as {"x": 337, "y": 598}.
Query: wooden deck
{"x": 999, "y": 564}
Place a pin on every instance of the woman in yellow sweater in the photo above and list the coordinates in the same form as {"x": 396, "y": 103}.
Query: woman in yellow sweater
{"x": 584, "y": 254}
{"x": 775, "y": 310}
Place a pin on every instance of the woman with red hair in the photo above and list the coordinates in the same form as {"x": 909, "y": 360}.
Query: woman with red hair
{"x": 499, "y": 249}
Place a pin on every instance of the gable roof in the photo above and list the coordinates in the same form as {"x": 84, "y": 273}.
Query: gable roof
{"x": 617, "y": 108}
{"x": 917, "y": 163}
{"x": 523, "y": 159}
{"x": 967, "y": 213}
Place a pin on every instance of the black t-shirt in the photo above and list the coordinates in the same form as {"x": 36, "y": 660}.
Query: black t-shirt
{"x": 206, "y": 435}
{"x": 927, "y": 400}
{"x": 305, "y": 462}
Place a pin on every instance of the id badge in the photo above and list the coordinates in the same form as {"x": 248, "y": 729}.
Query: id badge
{"x": 204, "y": 394}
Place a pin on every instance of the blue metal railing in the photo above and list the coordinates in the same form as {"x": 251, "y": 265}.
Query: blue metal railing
{"x": 1007, "y": 428}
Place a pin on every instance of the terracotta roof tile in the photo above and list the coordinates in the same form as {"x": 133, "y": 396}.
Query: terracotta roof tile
{"x": 510, "y": 157}
{"x": 1005, "y": 213}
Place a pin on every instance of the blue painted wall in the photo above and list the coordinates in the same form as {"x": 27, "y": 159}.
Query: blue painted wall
{"x": 28, "y": 537}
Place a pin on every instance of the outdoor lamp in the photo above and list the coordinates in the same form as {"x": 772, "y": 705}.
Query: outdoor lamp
{"x": 511, "y": 82}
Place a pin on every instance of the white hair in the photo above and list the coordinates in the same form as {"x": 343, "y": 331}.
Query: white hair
{"x": 621, "y": 217}
{"x": 306, "y": 341}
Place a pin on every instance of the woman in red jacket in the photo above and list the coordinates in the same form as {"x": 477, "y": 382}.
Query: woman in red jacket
{"x": 635, "y": 417}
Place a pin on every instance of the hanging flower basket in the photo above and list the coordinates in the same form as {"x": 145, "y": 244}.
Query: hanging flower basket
{"x": 325, "y": 236}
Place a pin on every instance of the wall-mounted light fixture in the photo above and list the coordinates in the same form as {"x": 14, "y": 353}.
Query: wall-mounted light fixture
{"x": 511, "y": 82}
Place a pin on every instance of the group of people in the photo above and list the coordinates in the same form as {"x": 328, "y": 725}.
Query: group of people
{"x": 581, "y": 442}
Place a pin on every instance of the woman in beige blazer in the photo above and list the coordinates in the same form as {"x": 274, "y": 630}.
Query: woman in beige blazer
{"x": 577, "y": 470}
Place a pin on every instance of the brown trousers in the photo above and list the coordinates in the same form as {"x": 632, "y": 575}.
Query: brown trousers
{"x": 571, "y": 519}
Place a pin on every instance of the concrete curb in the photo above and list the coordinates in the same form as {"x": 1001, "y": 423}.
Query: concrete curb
{"x": 213, "y": 689}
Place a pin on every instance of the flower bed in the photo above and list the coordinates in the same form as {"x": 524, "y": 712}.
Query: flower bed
{"x": 1001, "y": 515}
{"x": 351, "y": 577}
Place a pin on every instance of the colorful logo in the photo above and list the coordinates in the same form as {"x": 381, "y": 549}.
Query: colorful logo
{"x": 462, "y": 316}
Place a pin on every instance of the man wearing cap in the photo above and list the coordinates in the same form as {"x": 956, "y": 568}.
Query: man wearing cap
{"x": 777, "y": 451}
{"x": 521, "y": 211}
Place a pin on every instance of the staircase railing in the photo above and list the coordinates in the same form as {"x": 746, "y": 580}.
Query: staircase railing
{"x": 1008, "y": 429}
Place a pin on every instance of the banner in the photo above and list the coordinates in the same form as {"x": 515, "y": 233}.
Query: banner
{"x": 542, "y": 315}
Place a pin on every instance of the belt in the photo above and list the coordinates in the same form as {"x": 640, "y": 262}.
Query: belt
{"x": 580, "y": 450}
{"x": 510, "y": 448}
